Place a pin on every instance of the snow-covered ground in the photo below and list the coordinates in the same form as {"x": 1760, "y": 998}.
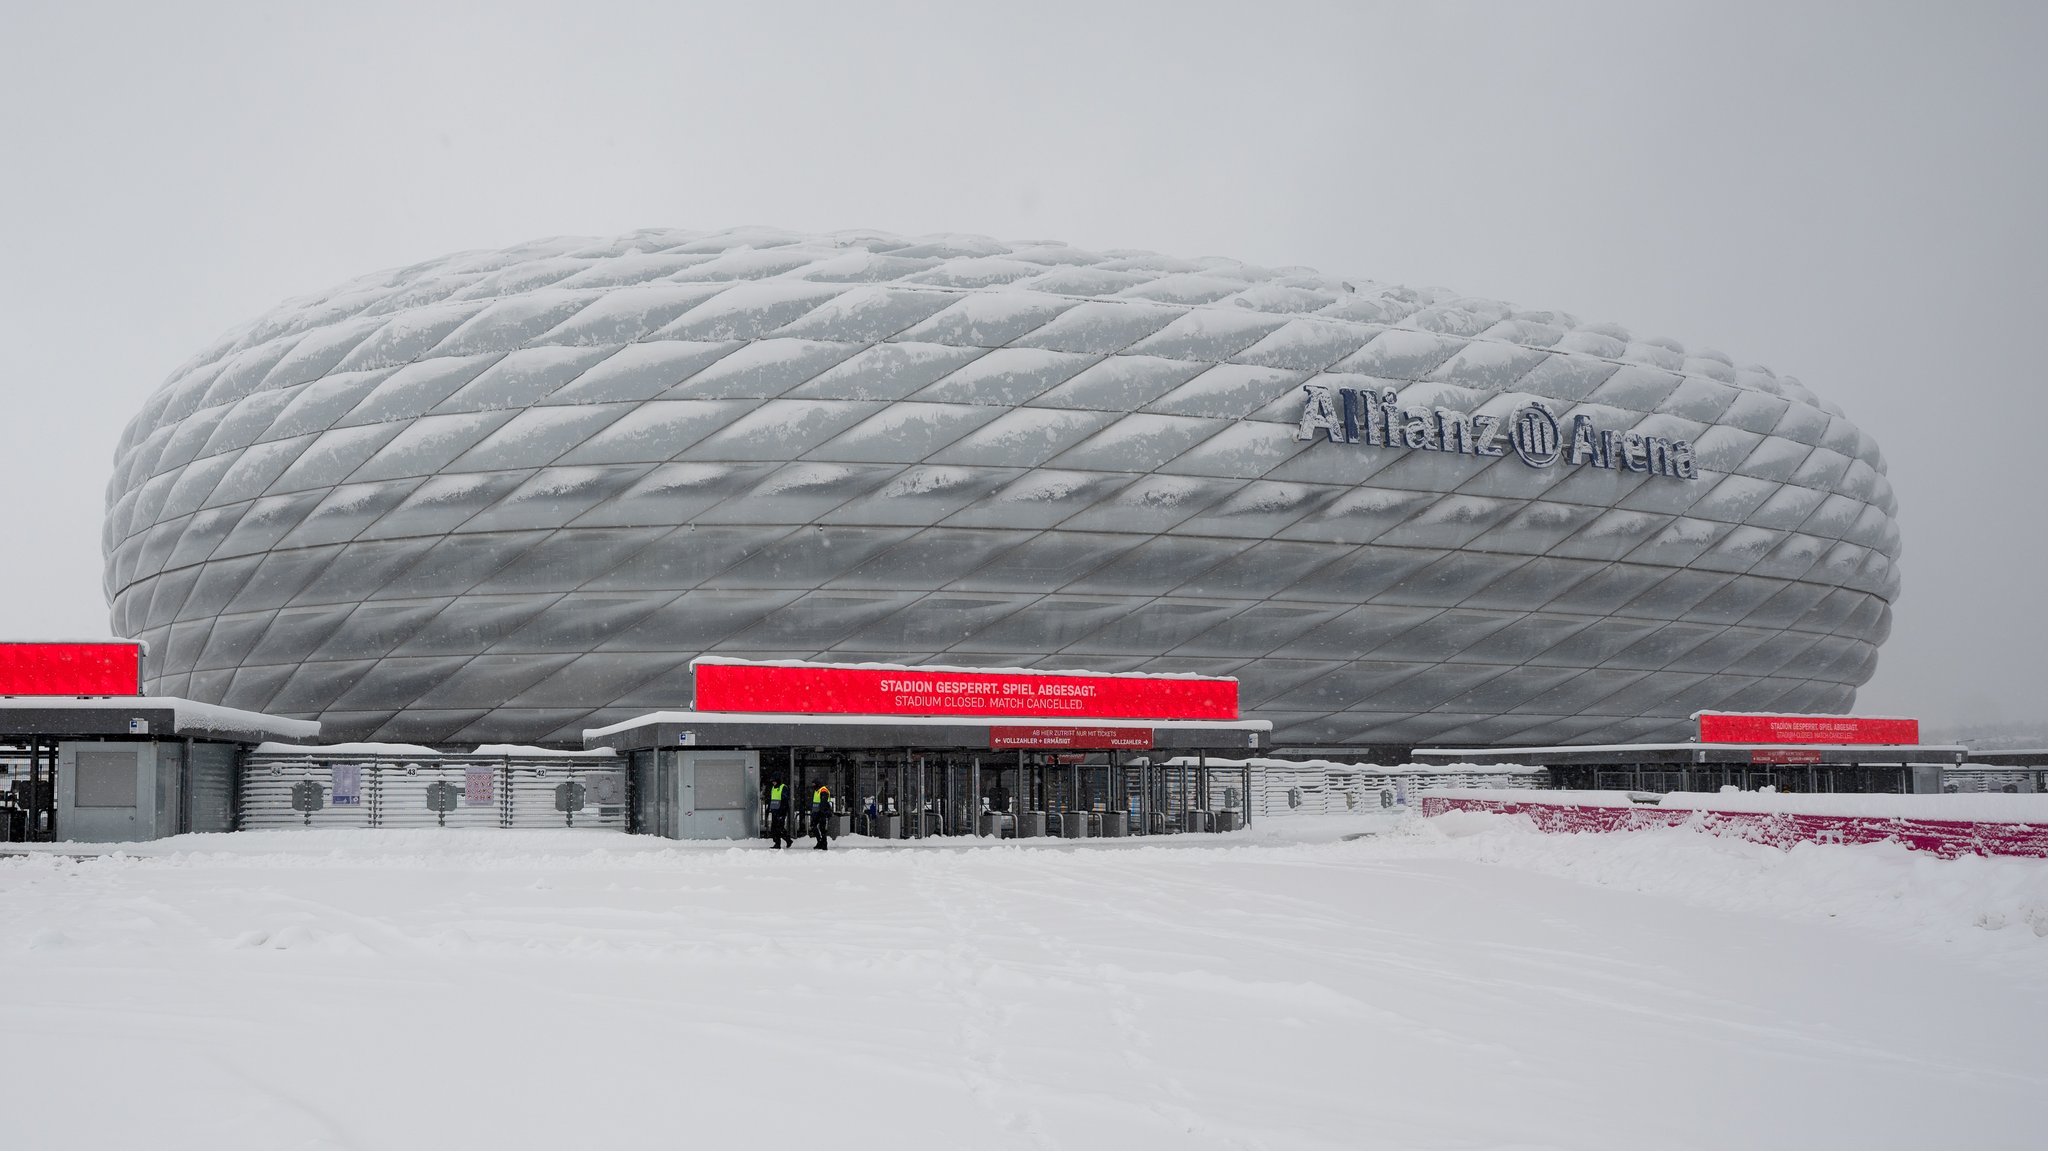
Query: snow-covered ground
{"x": 1462, "y": 982}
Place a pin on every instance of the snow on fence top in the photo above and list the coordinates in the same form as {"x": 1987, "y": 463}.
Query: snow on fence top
{"x": 1993, "y": 807}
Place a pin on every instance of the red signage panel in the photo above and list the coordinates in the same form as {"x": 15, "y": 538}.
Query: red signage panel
{"x": 1718, "y": 727}
{"x": 814, "y": 689}
{"x": 1031, "y": 738}
{"x": 1783, "y": 755}
{"x": 70, "y": 668}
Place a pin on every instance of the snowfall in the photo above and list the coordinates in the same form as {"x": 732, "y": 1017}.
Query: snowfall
{"x": 1313, "y": 982}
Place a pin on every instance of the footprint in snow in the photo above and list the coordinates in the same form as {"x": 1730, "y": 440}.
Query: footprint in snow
{"x": 49, "y": 939}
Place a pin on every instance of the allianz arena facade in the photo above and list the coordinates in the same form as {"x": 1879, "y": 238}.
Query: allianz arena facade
{"x": 505, "y": 496}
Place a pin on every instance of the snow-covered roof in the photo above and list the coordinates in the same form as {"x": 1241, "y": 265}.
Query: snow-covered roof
{"x": 418, "y": 751}
{"x": 188, "y": 716}
{"x": 194, "y": 716}
{"x": 71, "y": 639}
{"x": 1267, "y": 763}
{"x": 686, "y": 718}
{"x": 1888, "y": 750}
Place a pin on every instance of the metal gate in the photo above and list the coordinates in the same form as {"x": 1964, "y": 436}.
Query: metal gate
{"x": 318, "y": 789}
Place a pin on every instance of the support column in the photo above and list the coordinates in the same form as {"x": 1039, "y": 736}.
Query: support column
{"x": 1145, "y": 796}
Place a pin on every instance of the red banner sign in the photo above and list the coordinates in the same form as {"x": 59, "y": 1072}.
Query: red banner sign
{"x": 1030, "y": 738}
{"x": 1783, "y": 755}
{"x": 70, "y": 668}
{"x": 814, "y": 689}
{"x": 1845, "y": 729}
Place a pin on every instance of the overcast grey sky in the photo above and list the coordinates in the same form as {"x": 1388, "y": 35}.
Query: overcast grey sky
{"x": 1848, "y": 193}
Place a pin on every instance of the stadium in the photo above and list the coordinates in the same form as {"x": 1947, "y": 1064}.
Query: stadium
{"x": 509, "y": 496}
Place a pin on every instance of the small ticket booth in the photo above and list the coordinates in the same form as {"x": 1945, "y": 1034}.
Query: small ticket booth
{"x": 86, "y": 758}
{"x": 685, "y": 793}
{"x": 122, "y": 769}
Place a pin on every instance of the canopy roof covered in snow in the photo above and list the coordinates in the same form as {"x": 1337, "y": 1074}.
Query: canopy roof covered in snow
{"x": 1682, "y": 753}
{"x": 762, "y": 729}
{"x": 144, "y": 715}
{"x": 2012, "y": 757}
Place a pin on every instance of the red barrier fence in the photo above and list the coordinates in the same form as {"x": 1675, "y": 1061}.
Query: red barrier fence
{"x": 1947, "y": 838}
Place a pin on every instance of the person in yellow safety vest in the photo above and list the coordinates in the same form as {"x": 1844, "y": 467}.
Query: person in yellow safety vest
{"x": 821, "y": 813}
{"x": 778, "y": 814}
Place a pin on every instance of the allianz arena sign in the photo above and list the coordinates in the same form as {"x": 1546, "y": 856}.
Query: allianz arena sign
{"x": 1374, "y": 417}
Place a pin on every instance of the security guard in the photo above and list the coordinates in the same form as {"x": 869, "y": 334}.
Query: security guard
{"x": 821, "y": 812}
{"x": 778, "y": 814}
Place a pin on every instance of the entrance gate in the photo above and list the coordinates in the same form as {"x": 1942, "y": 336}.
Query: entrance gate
{"x": 915, "y": 793}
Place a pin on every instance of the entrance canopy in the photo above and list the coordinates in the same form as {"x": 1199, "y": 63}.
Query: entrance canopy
{"x": 1699, "y": 754}
{"x": 1789, "y": 765}
{"x": 161, "y": 717}
{"x": 1738, "y": 742}
{"x": 2012, "y": 757}
{"x": 827, "y": 706}
{"x": 1028, "y": 733}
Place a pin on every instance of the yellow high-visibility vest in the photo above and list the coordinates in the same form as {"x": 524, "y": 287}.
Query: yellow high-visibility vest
{"x": 775, "y": 793}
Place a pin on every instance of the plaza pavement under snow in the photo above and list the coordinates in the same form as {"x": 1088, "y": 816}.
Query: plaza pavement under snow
{"x": 1339, "y": 982}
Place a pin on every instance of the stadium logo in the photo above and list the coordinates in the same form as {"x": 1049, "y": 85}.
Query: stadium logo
{"x": 1375, "y": 418}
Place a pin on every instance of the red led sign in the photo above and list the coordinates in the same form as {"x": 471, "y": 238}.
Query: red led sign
{"x": 1783, "y": 755}
{"x": 814, "y": 689}
{"x": 1032, "y": 738}
{"x": 70, "y": 668}
{"x": 1716, "y": 727}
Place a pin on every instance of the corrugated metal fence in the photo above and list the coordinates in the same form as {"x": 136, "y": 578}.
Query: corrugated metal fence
{"x": 1281, "y": 788}
{"x": 385, "y": 790}
{"x": 1971, "y": 778}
